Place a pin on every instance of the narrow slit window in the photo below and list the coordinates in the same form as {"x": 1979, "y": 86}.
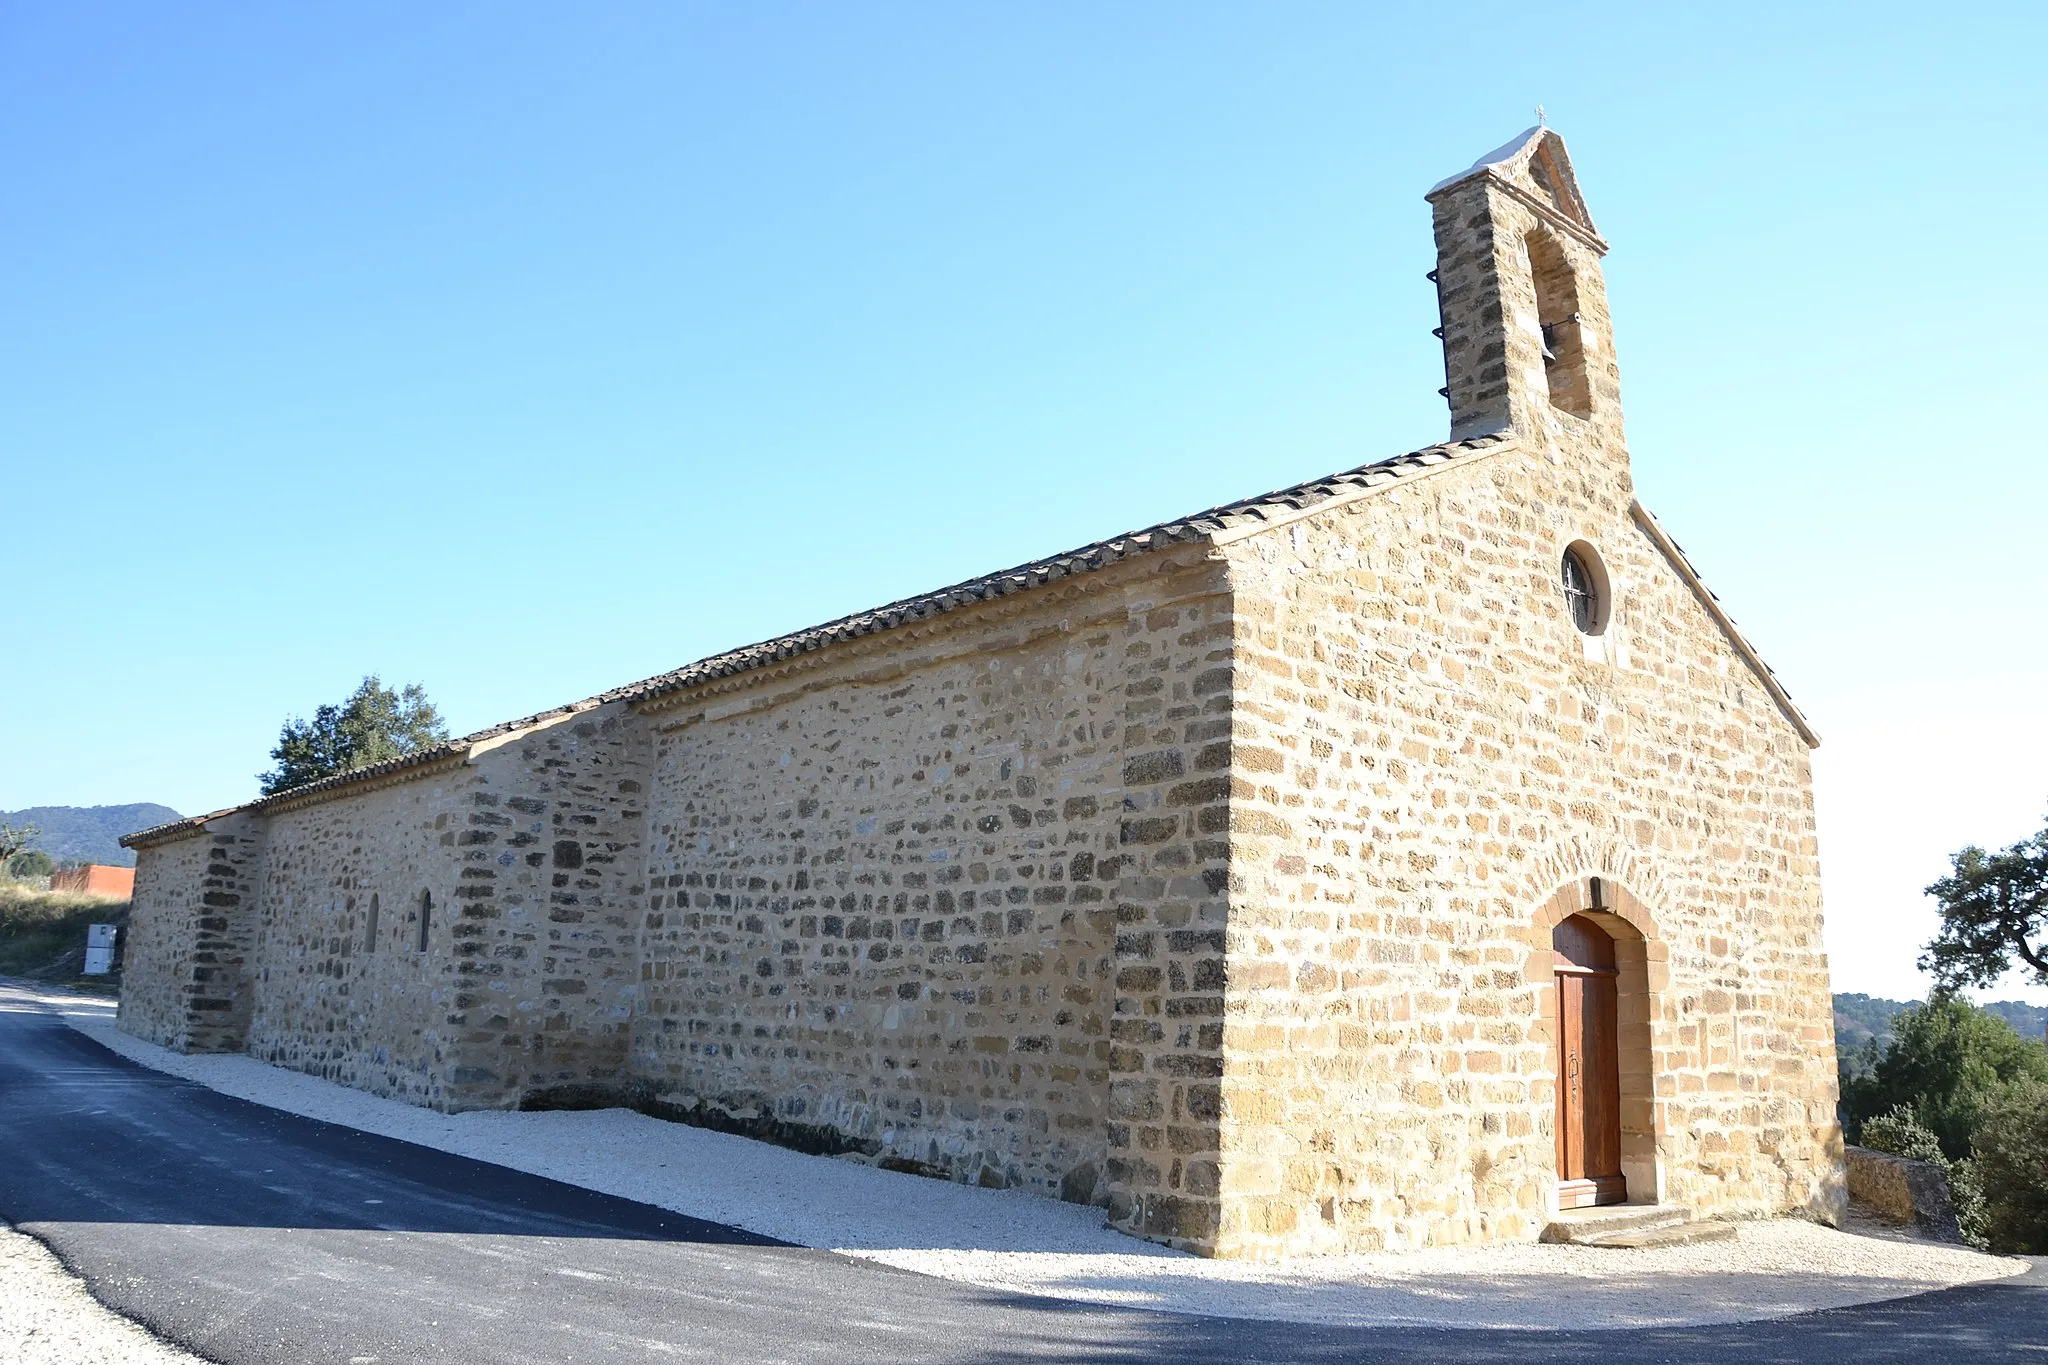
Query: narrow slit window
{"x": 426, "y": 916}
{"x": 370, "y": 925}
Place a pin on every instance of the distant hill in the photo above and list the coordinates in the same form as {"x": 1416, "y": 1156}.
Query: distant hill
{"x": 2028, "y": 1021}
{"x": 1861, "y": 1017}
{"x": 89, "y": 834}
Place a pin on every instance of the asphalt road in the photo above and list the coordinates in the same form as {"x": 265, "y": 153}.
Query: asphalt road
{"x": 247, "y": 1235}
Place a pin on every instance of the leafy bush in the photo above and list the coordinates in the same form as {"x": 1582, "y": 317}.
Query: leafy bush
{"x": 1901, "y": 1133}
{"x": 1946, "y": 1059}
{"x": 1966, "y": 1192}
{"x": 2012, "y": 1153}
{"x": 34, "y": 863}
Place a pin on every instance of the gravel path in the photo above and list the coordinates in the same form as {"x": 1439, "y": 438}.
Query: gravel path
{"x": 1026, "y": 1243}
{"x": 48, "y": 1318}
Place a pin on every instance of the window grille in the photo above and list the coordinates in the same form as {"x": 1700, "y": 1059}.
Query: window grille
{"x": 1580, "y": 594}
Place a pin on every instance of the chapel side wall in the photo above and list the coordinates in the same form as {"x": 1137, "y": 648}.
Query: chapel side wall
{"x": 199, "y": 908}
{"x": 554, "y": 882}
{"x": 1425, "y": 753}
{"x": 332, "y": 999}
{"x": 161, "y": 939}
{"x": 531, "y": 853}
{"x": 883, "y": 898}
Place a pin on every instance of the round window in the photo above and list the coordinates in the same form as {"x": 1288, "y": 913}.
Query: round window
{"x": 1583, "y": 580}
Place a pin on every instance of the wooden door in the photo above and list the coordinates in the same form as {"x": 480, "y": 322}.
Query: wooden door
{"x": 1589, "y": 1067}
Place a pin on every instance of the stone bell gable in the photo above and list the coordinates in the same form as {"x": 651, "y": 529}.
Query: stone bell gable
{"x": 1528, "y": 342}
{"x": 1390, "y": 860}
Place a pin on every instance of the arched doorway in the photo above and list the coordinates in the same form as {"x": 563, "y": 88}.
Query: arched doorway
{"x": 1589, "y": 1065}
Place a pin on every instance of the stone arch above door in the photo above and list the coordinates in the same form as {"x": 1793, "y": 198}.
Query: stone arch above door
{"x": 1616, "y": 861}
{"x": 1643, "y": 961}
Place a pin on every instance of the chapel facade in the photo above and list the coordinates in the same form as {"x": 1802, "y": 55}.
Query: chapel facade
{"x": 1388, "y": 861}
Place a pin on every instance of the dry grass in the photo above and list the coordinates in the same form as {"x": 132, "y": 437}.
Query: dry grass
{"x": 42, "y": 933}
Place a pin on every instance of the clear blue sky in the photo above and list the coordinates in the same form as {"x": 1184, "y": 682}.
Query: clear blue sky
{"x": 526, "y": 350}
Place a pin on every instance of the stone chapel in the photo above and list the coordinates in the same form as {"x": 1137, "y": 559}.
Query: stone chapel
{"x": 1388, "y": 861}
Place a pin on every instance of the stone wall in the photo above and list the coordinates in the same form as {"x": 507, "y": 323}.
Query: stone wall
{"x": 1173, "y": 902}
{"x": 161, "y": 939}
{"x": 1904, "y": 1191}
{"x": 335, "y": 995}
{"x": 462, "y": 935}
{"x": 551, "y": 901}
{"x": 885, "y": 883}
{"x": 187, "y": 978}
{"x": 955, "y": 896}
{"x": 1427, "y": 750}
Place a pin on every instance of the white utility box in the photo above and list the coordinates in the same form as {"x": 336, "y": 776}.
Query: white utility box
{"x": 99, "y": 948}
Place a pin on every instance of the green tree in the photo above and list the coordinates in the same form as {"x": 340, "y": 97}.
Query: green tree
{"x": 15, "y": 839}
{"x": 31, "y": 863}
{"x": 1946, "y": 1059}
{"x": 2012, "y": 1157}
{"x": 1994, "y": 909}
{"x": 372, "y": 725}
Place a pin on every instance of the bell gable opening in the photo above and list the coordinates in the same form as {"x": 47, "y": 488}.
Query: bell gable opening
{"x": 1557, "y": 313}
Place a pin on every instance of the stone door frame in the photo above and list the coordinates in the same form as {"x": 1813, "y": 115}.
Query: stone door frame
{"x": 1644, "y": 972}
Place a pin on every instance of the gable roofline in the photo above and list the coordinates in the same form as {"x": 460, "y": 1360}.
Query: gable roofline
{"x": 1509, "y": 165}
{"x": 1213, "y": 524}
{"x": 1226, "y": 521}
{"x": 387, "y": 773}
{"x": 1652, "y": 528}
{"x": 1507, "y": 154}
{"x": 185, "y": 827}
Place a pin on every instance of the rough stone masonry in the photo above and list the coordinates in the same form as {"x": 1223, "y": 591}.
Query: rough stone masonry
{"x": 1207, "y": 874}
